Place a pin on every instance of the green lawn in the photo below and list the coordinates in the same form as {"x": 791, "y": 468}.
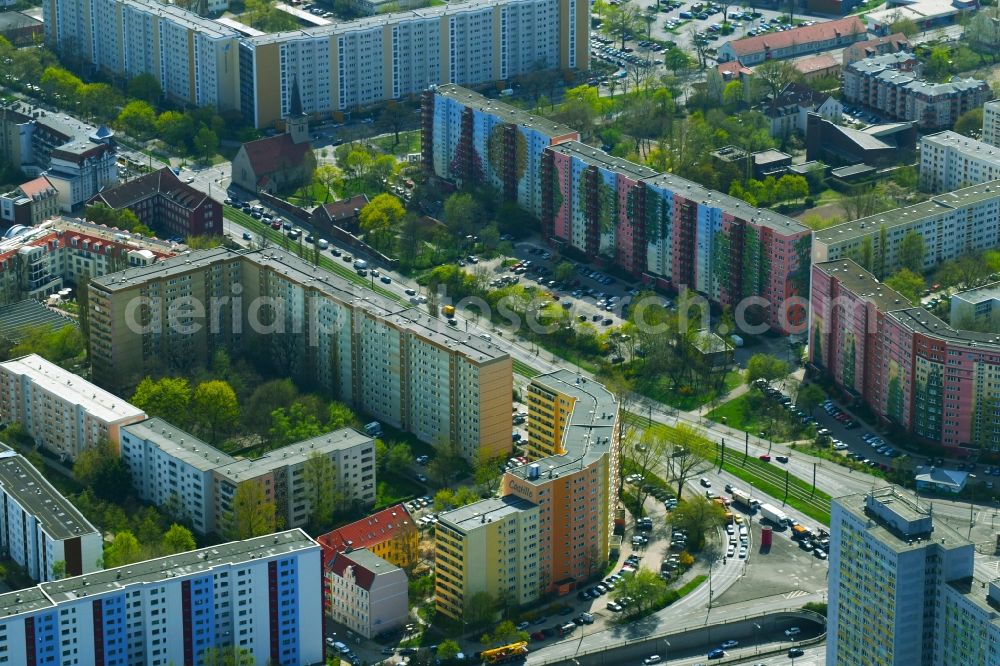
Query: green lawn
{"x": 745, "y": 413}
{"x": 393, "y": 489}
{"x": 659, "y": 389}
{"x": 409, "y": 142}
{"x": 524, "y": 369}
{"x": 690, "y": 586}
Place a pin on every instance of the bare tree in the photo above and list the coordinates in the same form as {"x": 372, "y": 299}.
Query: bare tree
{"x": 690, "y": 454}
{"x": 644, "y": 454}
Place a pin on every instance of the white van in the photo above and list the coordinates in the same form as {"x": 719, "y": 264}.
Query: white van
{"x": 323, "y": 243}
{"x": 360, "y": 263}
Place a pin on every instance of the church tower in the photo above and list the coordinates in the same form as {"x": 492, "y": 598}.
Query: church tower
{"x": 297, "y": 123}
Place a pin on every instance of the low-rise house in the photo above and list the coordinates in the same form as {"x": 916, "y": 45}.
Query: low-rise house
{"x": 30, "y": 203}
{"x": 939, "y": 479}
{"x": 366, "y": 593}
{"x": 788, "y": 112}
{"x": 873, "y": 47}
{"x": 822, "y": 36}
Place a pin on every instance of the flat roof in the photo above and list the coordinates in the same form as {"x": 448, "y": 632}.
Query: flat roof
{"x": 58, "y": 517}
{"x": 72, "y": 388}
{"x": 241, "y": 28}
{"x": 590, "y": 430}
{"x": 378, "y": 21}
{"x": 862, "y": 283}
{"x": 936, "y": 205}
{"x": 989, "y": 292}
{"x": 507, "y": 113}
{"x": 187, "y": 19}
{"x": 49, "y": 595}
{"x": 599, "y": 158}
{"x": 908, "y": 508}
{"x": 964, "y": 145}
{"x": 179, "y": 443}
{"x": 294, "y": 454}
{"x": 337, "y": 287}
{"x": 473, "y": 516}
{"x": 736, "y": 207}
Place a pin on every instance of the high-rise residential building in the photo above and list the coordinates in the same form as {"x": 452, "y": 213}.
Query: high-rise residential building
{"x": 261, "y": 595}
{"x": 899, "y": 587}
{"x": 39, "y": 527}
{"x": 473, "y": 139}
{"x": 36, "y": 261}
{"x": 590, "y": 201}
{"x": 568, "y": 493}
{"x": 949, "y": 161}
{"x": 63, "y": 412}
{"x": 888, "y": 85}
{"x": 392, "y": 361}
{"x": 340, "y": 66}
{"x": 912, "y": 370}
{"x": 991, "y": 122}
{"x": 366, "y": 594}
{"x": 572, "y": 476}
{"x": 951, "y": 224}
{"x": 492, "y": 547}
{"x": 174, "y": 468}
{"x": 662, "y": 228}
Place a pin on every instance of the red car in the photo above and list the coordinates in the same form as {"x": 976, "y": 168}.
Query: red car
{"x": 276, "y": 224}
{"x": 538, "y": 636}
{"x": 765, "y": 458}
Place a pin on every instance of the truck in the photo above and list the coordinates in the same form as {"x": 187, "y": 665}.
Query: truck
{"x": 507, "y": 653}
{"x": 801, "y": 532}
{"x": 743, "y": 499}
{"x": 449, "y": 311}
{"x": 774, "y": 515}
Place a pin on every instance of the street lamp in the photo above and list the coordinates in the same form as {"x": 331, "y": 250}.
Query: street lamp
{"x": 756, "y": 638}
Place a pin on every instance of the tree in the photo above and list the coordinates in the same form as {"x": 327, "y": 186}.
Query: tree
{"x": 563, "y": 272}
{"x": 329, "y": 178}
{"x": 98, "y": 99}
{"x": 399, "y": 457}
{"x": 168, "y": 398}
{"x": 125, "y": 549}
{"x": 227, "y": 656}
{"x": 733, "y": 95}
{"x": 138, "y": 119}
{"x": 678, "y": 61}
{"x": 773, "y": 75}
{"x": 766, "y": 367}
{"x": 690, "y": 452}
{"x": 60, "y": 84}
{"x": 380, "y": 219}
{"x": 319, "y": 478}
{"x": 393, "y": 118}
{"x": 178, "y": 539}
{"x": 792, "y": 188}
{"x": 294, "y": 424}
{"x": 121, "y": 218}
{"x": 645, "y": 455}
{"x": 252, "y": 514}
{"x": 175, "y": 128}
{"x": 58, "y": 570}
{"x": 622, "y": 21}
{"x": 909, "y": 284}
{"x": 100, "y": 468}
{"x": 938, "y": 65}
{"x": 644, "y": 588}
{"x": 269, "y": 396}
{"x": 480, "y": 607}
{"x": 810, "y": 396}
{"x": 970, "y": 123}
{"x": 339, "y": 415}
{"x": 214, "y": 409}
{"x": 64, "y": 346}
{"x": 911, "y": 252}
{"x": 205, "y": 143}
{"x": 488, "y": 473}
{"x": 698, "y": 515}
{"x": 145, "y": 88}
{"x": 905, "y": 25}
{"x": 447, "y": 650}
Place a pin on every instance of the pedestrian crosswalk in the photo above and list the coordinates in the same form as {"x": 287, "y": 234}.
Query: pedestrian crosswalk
{"x": 796, "y": 593}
